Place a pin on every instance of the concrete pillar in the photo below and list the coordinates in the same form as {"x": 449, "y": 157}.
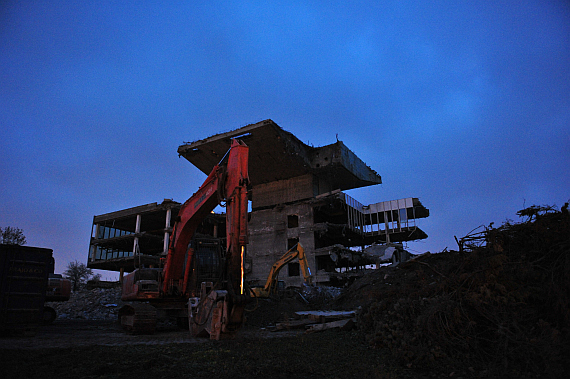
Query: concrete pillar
{"x": 93, "y": 247}
{"x": 137, "y": 231}
{"x": 387, "y": 224}
{"x": 166, "y": 232}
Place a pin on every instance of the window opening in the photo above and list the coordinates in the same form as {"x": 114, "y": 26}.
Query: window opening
{"x": 294, "y": 269}
{"x": 293, "y": 221}
{"x": 291, "y": 242}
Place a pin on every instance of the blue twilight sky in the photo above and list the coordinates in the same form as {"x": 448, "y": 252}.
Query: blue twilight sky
{"x": 465, "y": 105}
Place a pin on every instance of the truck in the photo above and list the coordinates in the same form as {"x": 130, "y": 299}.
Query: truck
{"x": 211, "y": 304}
{"x": 27, "y": 283}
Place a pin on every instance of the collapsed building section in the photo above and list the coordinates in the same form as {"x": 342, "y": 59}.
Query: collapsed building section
{"x": 296, "y": 196}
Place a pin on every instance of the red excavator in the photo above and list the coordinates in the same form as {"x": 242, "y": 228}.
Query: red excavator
{"x": 213, "y": 304}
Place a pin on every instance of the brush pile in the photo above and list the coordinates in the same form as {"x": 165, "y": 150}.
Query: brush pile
{"x": 499, "y": 308}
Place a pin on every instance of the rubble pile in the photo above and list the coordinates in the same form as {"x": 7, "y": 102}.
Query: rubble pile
{"x": 90, "y": 304}
{"x": 320, "y": 294}
{"x": 500, "y": 309}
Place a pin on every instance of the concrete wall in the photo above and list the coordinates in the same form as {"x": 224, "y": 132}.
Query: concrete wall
{"x": 269, "y": 234}
{"x": 282, "y": 191}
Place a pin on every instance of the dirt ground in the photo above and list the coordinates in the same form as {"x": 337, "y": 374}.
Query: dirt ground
{"x": 71, "y": 333}
{"x": 75, "y": 333}
{"x": 100, "y": 349}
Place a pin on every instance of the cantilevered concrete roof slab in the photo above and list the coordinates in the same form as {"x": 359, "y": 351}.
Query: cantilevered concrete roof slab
{"x": 275, "y": 154}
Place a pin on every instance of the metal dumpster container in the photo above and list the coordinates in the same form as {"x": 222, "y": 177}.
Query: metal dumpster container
{"x": 23, "y": 282}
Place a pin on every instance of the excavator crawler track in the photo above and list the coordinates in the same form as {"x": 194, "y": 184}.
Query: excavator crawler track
{"x": 138, "y": 318}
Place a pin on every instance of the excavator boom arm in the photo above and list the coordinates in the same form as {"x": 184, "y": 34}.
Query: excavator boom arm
{"x": 296, "y": 251}
{"x": 227, "y": 181}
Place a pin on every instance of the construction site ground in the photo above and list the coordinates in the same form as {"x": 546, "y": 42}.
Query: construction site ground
{"x": 82, "y": 348}
{"x": 500, "y": 307}
{"x": 86, "y": 332}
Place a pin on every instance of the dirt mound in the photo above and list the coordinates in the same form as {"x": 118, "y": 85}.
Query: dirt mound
{"x": 499, "y": 309}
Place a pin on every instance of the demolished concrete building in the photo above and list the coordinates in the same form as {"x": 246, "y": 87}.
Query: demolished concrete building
{"x": 296, "y": 196}
{"x": 138, "y": 237}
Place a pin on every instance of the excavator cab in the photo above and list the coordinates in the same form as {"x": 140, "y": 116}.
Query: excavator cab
{"x": 208, "y": 253}
{"x": 141, "y": 284}
{"x": 145, "y": 283}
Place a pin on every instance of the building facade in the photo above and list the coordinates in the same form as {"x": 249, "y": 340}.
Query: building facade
{"x": 296, "y": 197}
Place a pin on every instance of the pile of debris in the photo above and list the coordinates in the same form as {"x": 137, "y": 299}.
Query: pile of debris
{"x": 319, "y": 294}
{"x": 316, "y": 321}
{"x": 499, "y": 309}
{"x": 90, "y": 304}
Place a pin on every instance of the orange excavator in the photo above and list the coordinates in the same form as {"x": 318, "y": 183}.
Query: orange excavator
{"x": 213, "y": 307}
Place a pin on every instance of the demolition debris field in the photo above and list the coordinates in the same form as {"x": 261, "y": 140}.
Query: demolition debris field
{"x": 500, "y": 307}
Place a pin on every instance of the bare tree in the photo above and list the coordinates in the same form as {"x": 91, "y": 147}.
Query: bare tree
{"x": 78, "y": 273}
{"x": 12, "y": 236}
